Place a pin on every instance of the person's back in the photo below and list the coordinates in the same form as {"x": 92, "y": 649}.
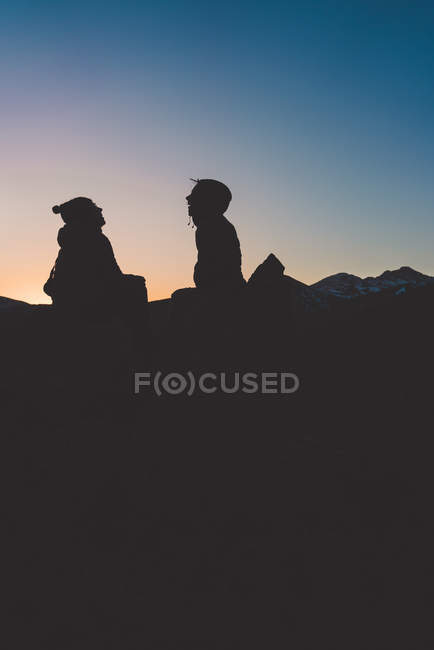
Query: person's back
{"x": 218, "y": 255}
{"x": 218, "y": 264}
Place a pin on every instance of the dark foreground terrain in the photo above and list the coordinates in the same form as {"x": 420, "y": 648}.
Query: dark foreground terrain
{"x": 220, "y": 521}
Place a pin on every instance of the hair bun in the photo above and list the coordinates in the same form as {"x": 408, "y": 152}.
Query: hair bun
{"x": 56, "y": 209}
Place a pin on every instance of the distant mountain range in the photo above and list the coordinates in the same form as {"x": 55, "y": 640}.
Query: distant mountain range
{"x": 316, "y": 296}
{"x": 339, "y": 289}
{"x": 345, "y": 285}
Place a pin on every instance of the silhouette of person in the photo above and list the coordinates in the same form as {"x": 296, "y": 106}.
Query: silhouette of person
{"x": 86, "y": 279}
{"x": 86, "y": 271}
{"x": 218, "y": 264}
{"x": 211, "y": 308}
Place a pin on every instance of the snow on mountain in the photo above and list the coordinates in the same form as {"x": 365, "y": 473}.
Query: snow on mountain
{"x": 344, "y": 285}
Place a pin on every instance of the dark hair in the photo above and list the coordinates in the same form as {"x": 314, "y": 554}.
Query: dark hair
{"x": 217, "y": 192}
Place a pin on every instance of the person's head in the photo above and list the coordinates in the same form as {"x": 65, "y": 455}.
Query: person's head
{"x": 208, "y": 198}
{"x": 80, "y": 211}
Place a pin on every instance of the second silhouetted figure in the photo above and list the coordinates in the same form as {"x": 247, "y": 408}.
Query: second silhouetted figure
{"x": 218, "y": 264}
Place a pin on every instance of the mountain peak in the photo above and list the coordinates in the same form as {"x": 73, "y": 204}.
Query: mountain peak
{"x": 345, "y": 285}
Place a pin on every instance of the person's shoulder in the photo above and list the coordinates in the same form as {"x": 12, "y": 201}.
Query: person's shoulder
{"x": 229, "y": 227}
{"x": 103, "y": 240}
{"x": 227, "y": 223}
{"x": 63, "y": 235}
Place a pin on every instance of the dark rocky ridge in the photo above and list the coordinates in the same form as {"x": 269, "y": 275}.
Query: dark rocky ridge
{"x": 317, "y": 296}
{"x": 165, "y": 522}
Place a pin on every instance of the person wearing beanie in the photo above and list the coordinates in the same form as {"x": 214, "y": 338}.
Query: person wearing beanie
{"x": 86, "y": 280}
{"x": 86, "y": 274}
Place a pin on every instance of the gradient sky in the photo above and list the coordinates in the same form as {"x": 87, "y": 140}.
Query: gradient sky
{"x": 318, "y": 115}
